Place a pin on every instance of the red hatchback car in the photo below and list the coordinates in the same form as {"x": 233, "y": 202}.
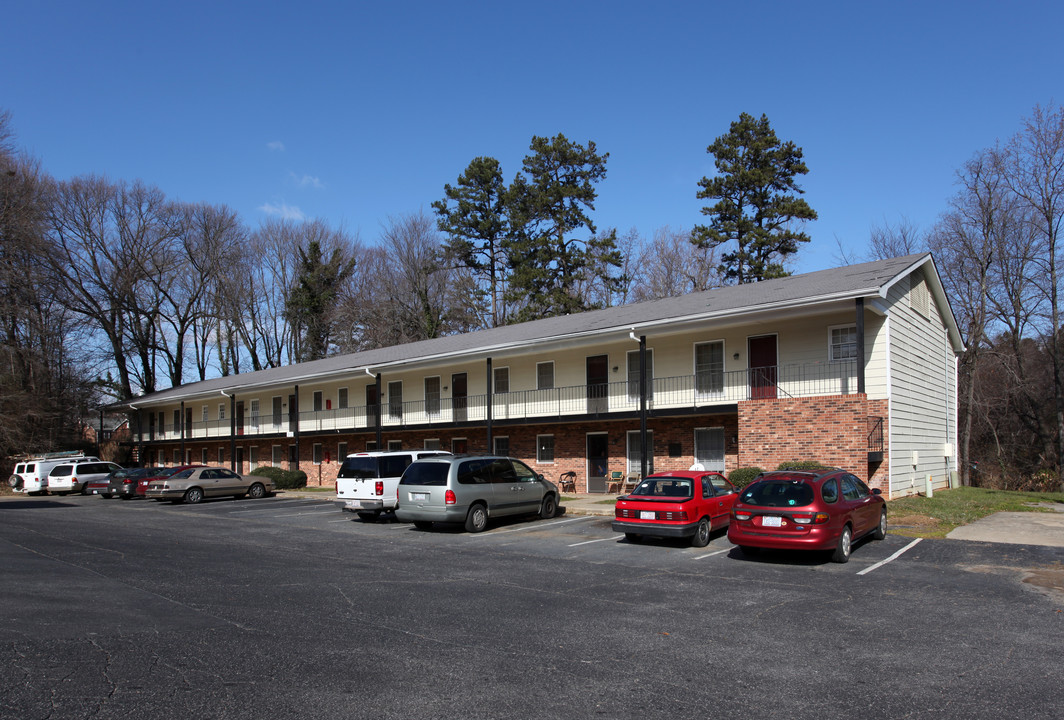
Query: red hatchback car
{"x": 823, "y": 510}
{"x": 680, "y": 503}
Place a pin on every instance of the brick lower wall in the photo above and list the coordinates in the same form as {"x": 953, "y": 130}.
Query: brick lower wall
{"x": 831, "y": 429}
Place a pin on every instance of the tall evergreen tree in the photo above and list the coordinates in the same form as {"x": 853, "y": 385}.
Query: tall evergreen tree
{"x": 757, "y": 201}
{"x": 313, "y": 301}
{"x": 473, "y": 214}
{"x": 545, "y": 209}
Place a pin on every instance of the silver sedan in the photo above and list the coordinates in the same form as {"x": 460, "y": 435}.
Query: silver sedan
{"x": 194, "y": 484}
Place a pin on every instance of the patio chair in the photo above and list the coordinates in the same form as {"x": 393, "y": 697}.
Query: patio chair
{"x": 616, "y": 482}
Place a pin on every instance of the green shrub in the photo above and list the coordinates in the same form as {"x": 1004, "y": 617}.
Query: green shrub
{"x": 803, "y": 465}
{"x": 741, "y": 477}
{"x": 282, "y": 479}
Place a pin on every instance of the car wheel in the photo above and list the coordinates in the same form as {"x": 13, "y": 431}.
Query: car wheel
{"x": 549, "y": 507}
{"x": 257, "y": 490}
{"x": 701, "y": 537}
{"x": 842, "y": 550}
{"x": 633, "y": 538}
{"x": 193, "y": 496}
{"x": 477, "y": 519}
{"x": 423, "y": 524}
{"x": 881, "y": 529}
{"x": 369, "y": 516}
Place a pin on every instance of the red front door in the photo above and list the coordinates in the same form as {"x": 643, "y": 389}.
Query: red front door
{"x": 763, "y": 362}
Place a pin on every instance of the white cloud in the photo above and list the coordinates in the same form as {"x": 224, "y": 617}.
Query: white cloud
{"x": 308, "y": 181}
{"x": 285, "y": 211}
{"x": 276, "y": 145}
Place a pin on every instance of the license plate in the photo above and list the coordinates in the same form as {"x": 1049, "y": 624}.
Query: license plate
{"x": 648, "y": 515}
{"x": 419, "y": 496}
{"x": 772, "y": 521}
{"x": 354, "y": 503}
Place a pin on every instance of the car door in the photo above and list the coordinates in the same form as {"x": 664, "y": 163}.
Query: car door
{"x": 719, "y": 496}
{"x": 530, "y": 489}
{"x": 209, "y": 481}
{"x": 859, "y": 505}
{"x": 230, "y": 483}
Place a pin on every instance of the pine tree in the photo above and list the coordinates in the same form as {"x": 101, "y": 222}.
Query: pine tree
{"x": 757, "y": 201}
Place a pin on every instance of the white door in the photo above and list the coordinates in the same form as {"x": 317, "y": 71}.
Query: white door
{"x": 709, "y": 448}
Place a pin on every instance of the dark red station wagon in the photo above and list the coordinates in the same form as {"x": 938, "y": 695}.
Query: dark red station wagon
{"x": 679, "y": 503}
{"x": 824, "y": 510}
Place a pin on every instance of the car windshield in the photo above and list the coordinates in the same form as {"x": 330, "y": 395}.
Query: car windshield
{"x": 778, "y": 493}
{"x": 665, "y": 487}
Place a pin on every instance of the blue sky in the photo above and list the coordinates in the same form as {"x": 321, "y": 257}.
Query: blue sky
{"x": 356, "y": 112}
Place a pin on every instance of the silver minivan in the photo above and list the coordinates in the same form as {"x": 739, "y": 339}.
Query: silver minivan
{"x": 469, "y": 490}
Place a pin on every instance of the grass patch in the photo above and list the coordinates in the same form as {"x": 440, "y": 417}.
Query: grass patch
{"x": 935, "y": 517}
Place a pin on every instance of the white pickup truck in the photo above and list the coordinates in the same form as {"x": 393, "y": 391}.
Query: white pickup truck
{"x": 368, "y": 482}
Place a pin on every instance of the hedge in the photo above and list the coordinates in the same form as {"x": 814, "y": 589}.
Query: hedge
{"x": 282, "y": 479}
{"x": 741, "y": 477}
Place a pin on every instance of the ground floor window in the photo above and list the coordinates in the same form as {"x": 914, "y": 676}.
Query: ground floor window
{"x": 203, "y": 456}
{"x": 545, "y": 448}
{"x": 341, "y": 452}
{"x": 277, "y": 456}
{"x": 395, "y": 445}
{"x": 709, "y": 448}
{"x": 432, "y": 444}
{"x": 635, "y": 452}
{"x": 221, "y": 456}
{"x": 316, "y": 454}
{"x": 253, "y": 456}
{"x": 502, "y": 445}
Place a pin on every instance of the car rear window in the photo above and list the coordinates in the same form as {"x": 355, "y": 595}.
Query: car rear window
{"x": 61, "y": 470}
{"x": 359, "y": 467}
{"x": 680, "y": 488}
{"x": 778, "y": 493}
{"x": 426, "y": 473}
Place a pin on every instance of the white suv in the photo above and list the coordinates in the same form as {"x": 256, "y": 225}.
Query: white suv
{"x": 75, "y": 475}
{"x": 31, "y": 476}
{"x": 367, "y": 482}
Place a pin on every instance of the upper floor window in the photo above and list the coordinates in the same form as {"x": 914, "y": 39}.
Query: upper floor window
{"x": 432, "y": 395}
{"x": 633, "y": 374}
{"x": 221, "y": 411}
{"x": 843, "y": 343}
{"x": 395, "y": 399}
{"x": 709, "y": 368}
{"x": 341, "y": 398}
{"x": 502, "y": 379}
{"x": 206, "y": 416}
{"x": 545, "y": 376}
{"x": 318, "y": 399}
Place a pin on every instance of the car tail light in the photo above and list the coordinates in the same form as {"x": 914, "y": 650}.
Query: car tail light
{"x": 673, "y": 515}
{"x": 73, "y": 479}
{"x": 821, "y": 518}
{"x": 741, "y": 515}
{"x": 449, "y": 498}
{"x": 802, "y": 519}
{"x": 378, "y": 487}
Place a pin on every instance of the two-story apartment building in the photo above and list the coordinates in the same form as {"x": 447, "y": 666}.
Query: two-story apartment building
{"x": 855, "y": 367}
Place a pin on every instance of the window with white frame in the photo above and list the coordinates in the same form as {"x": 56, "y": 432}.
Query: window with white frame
{"x": 545, "y": 375}
{"x": 843, "y": 343}
{"x": 709, "y": 448}
{"x": 221, "y": 411}
{"x": 254, "y": 414}
{"x": 633, "y": 374}
{"x": 432, "y": 443}
{"x": 206, "y": 413}
{"x": 635, "y": 452}
{"x": 277, "y": 455}
{"x": 501, "y": 379}
{"x": 502, "y": 445}
{"x": 432, "y": 395}
{"x": 395, "y": 445}
{"x": 395, "y": 399}
{"x": 253, "y": 456}
{"x": 341, "y": 398}
{"x": 709, "y": 368}
{"x": 318, "y": 400}
{"x": 545, "y": 448}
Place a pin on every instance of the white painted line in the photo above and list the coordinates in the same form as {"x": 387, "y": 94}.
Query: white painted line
{"x": 588, "y": 542}
{"x": 719, "y": 552}
{"x": 536, "y": 526}
{"x": 320, "y": 512}
{"x": 892, "y": 558}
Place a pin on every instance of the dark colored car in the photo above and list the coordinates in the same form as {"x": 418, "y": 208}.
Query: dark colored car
{"x": 680, "y": 503}
{"x": 132, "y": 483}
{"x": 823, "y": 510}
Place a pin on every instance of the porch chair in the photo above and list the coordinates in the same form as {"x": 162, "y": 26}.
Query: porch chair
{"x": 631, "y": 481}
{"x": 567, "y": 481}
{"x": 616, "y": 481}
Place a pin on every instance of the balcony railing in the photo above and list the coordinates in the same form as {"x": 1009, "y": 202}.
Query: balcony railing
{"x": 669, "y": 393}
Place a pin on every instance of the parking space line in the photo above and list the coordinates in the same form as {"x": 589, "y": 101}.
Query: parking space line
{"x": 530, "y": 527}
{"x": 719, "y": 552}
{"x": 892, "y": 558}
{"x": 319, "y": 512}
{"x": 588, "y": 542}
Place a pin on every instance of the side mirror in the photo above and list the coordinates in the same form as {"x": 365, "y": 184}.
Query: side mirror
{"x": 877, "y": 491}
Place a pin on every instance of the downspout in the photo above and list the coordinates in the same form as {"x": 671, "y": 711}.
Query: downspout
{"x": 295, "y": 414}
{"x": 377, "y": 413}
{"x": 860, "y": 347}
{"x": 643, "y": 464}
{"x": 182, "y": 432}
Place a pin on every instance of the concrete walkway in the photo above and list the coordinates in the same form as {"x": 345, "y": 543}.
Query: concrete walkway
{"x": 1020, "y": 528}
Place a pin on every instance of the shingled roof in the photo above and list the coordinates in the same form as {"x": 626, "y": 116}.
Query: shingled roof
{"x": 871, "y": 279}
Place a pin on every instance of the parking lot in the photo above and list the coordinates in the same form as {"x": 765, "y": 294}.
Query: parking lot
{"x": 286, "y": 607}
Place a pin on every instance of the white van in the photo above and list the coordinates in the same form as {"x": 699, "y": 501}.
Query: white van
{"x": 75, "y": 475}
{"x": 368, "y": 482}
{"x": 32, "y": 473}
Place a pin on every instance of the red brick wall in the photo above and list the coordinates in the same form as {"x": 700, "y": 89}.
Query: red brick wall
{"x": 831, "y": 429}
